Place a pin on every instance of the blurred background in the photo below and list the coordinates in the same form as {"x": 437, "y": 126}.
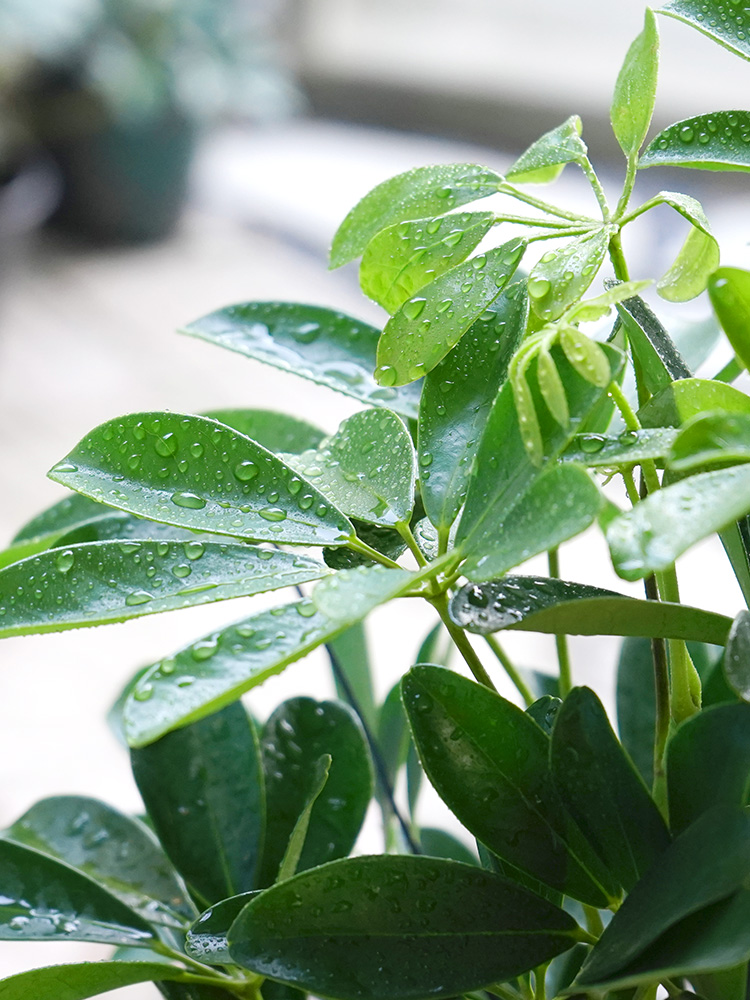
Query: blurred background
{"x": 162, "y": 158}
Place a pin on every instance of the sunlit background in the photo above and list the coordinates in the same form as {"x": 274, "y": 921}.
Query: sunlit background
{"x": 162, "y": 158}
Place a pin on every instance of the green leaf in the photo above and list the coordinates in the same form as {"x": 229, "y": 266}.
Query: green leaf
{"x": 737, "y": 660}
{"x": 353, "y": 659}
{"x": 730, "y": 31}
{"x": 707, "y": 863}
{"x": 727, "y": 984}
{"x": 729, "y": 291}
{"x": 293, "y": 741}
{"x": 586, "y": 356}
{"x": 711, "y": 439}
{"x": 628, "y": 448}
{"x": 602, "y": 790}
{"x": 544, "y": 710}
{"x": 114, "y": 850}
{"x": 44, "y": 899}
{"x": 70, "y": 512}
{"x": 275, "y": 431}
{"x": 694, "y": 781}
{"x": 318, "y": 344}
{"x": 199, "y": 474}
{"x": 290, "y": 861}
{"x": 403, "y": 258}
{"x": 367, "y": 469}
{"x": 562, "y": 276}
{"x": 353, "y": 593}
{"x": 697, "y": 260}
{"x": 206, "y": 941}
{"x": 590, "y": 310}
{"x": 554, "y": 149}
{"x": 203, "y": 789}
{"x": 660, "y": 528}
{"x": 397, "y": 927}
{"x": 514, "y": 509}
{"x": 716, "y": 141}
{"x": 416, "y": 194}
{"x": 656, "y": 355}
{"x": 217, "y": 669}
{"x": 387, "y": 541}
{"x": 680, "y": 401}
{"x": 636, "y": 712}
{"x": 393, "y": 733}
{"x": 535, "y": 604}
{"x": 429, "y": 325}
{"x": 85, "y": 979}
{"x": 440, "y": 844}
{"x": 456, "y": 400}
{"x": 488, "y": 761}
{"x": 635, "y": 90}
{"x": 92, "y": 583}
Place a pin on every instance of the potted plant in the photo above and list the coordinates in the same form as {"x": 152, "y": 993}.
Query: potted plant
{"x": 604, "y": 866}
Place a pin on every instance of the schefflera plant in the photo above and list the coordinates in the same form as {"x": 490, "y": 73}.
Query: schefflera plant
{"x": 604, "y": 866}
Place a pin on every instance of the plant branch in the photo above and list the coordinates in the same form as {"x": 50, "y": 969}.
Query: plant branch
{"x": 357, "y": 545}
{"x": 510, "y": 670}
{"x": 627, "y": 189}
{"x": 596, "y": 184}
{"x": 543, "y": 206}
{"x": 526, "y": 220}
{"x": 411, "y": 543}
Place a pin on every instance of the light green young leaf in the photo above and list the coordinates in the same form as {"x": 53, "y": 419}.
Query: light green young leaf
{"x": 628, "y": 448}
{"x": 551, "y": 387}
{"x": 427, "y": 326}
{"x": 82, "y": 980}
{"x": 737, "y": 659}
{"x": 416, "y": 194}
{"x": 562, "y": 276}
{"x": 711, "y": 439}
{"x": 729, "y": 291}
{"x": 404, "y": 258}
{"x": 553, "y": 150}
{"x": 732, "y": 30}
{"x": 679, "y": 401}
{"x": 196, "y": 473}
{"x": 586, "y": 356}
{"x": 716, "y": 141}
{"x": 635, "y": 90}
{"x": 591, "y": 310}
{"x": 688, "y": 276}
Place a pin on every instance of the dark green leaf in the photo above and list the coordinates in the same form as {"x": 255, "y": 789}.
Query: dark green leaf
{"x": 537, "y": 604}
{"x": 112, "y": 849}
{"x": 488, "y": 761}
{"x": 708, "y": 763}
{"x": 430, "y": 324}
{"x": 711, "y": 439}
{"x": 293, "y": 739}
{"x": 192, "y": 991}
{"x": 402, "y": 259}
{"x": 197, "y": 473}
{"x": 440, "y": 844}
{"x": 658, "y": 359}
{"x": 353, "y": 659}
{"x": 729, "y": 27}
{"x": 635, "y": 90}
{"x": 387, "y": 541}
{"x": 628, "y": 448}
{"x": 737, "y": 661}
{"x": 717, "y": 141}
{"x": 318, "y": 344}
{"x": 660, "y": 528}
{"x": 397, "y": 927}
{"x": 602, "y": 790}
{"x": 393, "y": 732}
{"x": 554, "y": 149}
{"x": 44, "y": 899}
{"x": 367, "y": 469}
{"x": 456, "y": 400}
{"x": 85, "y": 979}
{"x": 275, "y": 431}
{"x": 290, "y": 861}
{"x": 562, "y": 276}
{"x": 416, "y": 194}
{"x": 206, "y": 941}
{"x": 203, "y": 789}
{"x": 92, "y": 583}
{"x": 562, "y": 971}
{"x": 729, "y": 290}
{"x": 636, "y": 712}
{"x": 680, "y": 401}
{"x": 729, "y": 984}
{"x": 544, "y": 711}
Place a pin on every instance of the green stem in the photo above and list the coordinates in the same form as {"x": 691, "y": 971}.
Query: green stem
{"x": 557, "y": 233}
{"x": 594, "y": 923}
{"x": 502, "y": 991}
{"x": 525, "y": 220}
{"x": 440, "y": 603}
{"x": 543, "y": 206}
{"x": 540, "y": 987}
{"x": 561, "y": 641}
{"x": 357, "y": 545}
{"x": 616, "y": 255}
{"x": 630, "y": 487}
{"x": 685, "y": 695}
{"x": 596, "y": 185}
{"x": 411, "y": 543}
{"x": 620, "y": 400}
{"x": 510, "y": 670}
{"x": 627, "y": 189}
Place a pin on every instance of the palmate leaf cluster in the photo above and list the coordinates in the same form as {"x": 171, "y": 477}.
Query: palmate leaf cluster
{"x": 595, "y": 863}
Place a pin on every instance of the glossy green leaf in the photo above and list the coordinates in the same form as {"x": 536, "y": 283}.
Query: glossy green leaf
{"x": 730, "y": 31}
{"x": 708, "y": 763}
{"x": 367, "y": 469}
{"x": 44, "y": 899}
{"x": 92, "y": 583}
{"x": 203, "y": 789}
{"x": 290, "y": 861}
{"x": 555, "y": 148}
{"x": 636, "y": 712}
{"x": 635, "y": 89}
{"x": 680, "y": 401}
{"x": 708, "y": 439}
{"x": 318, "y": 344}
{"x": 429, "y": 325}
{"x": 729, "y": 291}
{"x": 387, "y": 541}
{"x": 275, "y": 431}
{"x": 353, "y": 593}
{"x": 562, "y": 276}
{"x": 112, "y": 849}
{"x": 67, "y": 513}
{"x": 206, "y": 941}
{"x": 707, "y": 863}
{"x": 602, "y": 790}
{"x": 199, "y": 474}
{"x": 586, "y": 357}
{"x": 658, "y": 359}
{"x": 737, "y": 660}
{"x": 415, "y": 194}
{"x": 627, "y": 448}
{"x": 437, "y": 843}
{"x": 727, "y": 984}
{"x": 193, "y": 991}
{"x": 510, "y": 499}
{"x": 403, "y": 258}
{"x": 353, "y": 660}
{"x": 688, "y": 276}
{"x": 660, "y": 528}
{"x": 81, "y": 980}
{"x": 293, "y": 741}
{"x": 397, "y": 927}
{"x": 716, "y": 141}
{"x": 488, "y": 761}
{"x": 590, "y": 310}
{"x": 544, "y": 711}
{"x": 456, "y": 400}
{"x": 550, "y": 605}
{"x": 393, "y": 732}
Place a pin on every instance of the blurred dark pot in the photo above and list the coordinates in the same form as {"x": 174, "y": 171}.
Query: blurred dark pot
{"x": 29, "y": 193}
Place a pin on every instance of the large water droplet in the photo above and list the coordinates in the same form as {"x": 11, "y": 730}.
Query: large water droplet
{"x": 190, "y": 500}
{"x": 65, "y": 560}
{"x": 166, "y": 445}
{"x": 138, "y": 597}
{"x": 538, "y": 287}
{"x": 385, "y": 375}
{"x": 272, "y": 513}
{"x": 414, "y": 307}
{"x": 245, "y": 471}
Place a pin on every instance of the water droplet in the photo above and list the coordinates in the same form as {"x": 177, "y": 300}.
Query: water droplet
{"x": 433, "y": 225}
{"x": 478, "y": 262}
{"x": 385, "y": 375}
{"x": 306, "y": 609}
{"x": 190, "y": 500}
{"x": 181, "y": 571}
{"x": 196, "y": 449}
{"x": 194, "y": 550}
{"x": 686, "y": 134}
{"x": 166, "y": 445}
{"x": 65, "y": 467}
{"x": 138, "y": 597}
{"x": 143, "y": 692}
{"x": 592, "y": 443}
{"x": 65, "y": 560}
{"x": 628, "y": 438}
{"x": 417, "y": 371}
{"x": 272, "y": 513}
{"x": 445, "y": 305}
{"x": 245, "y": 471}
{"x": 539, "y": 287}
{"x": 204, "y": 649}
{"x": 413, "y": 308}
